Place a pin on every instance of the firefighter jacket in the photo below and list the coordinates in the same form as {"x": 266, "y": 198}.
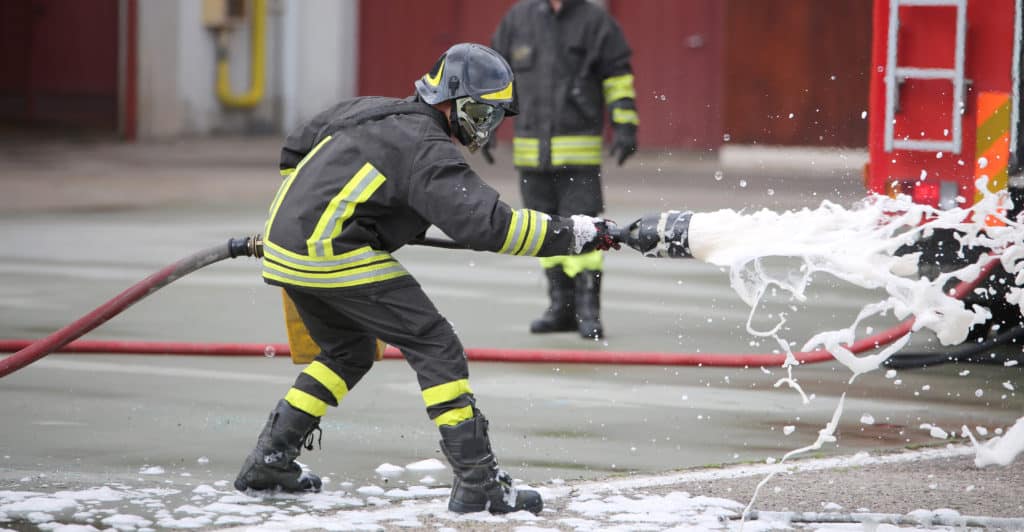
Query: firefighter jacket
{"x": 369, "y": 175}
{"x": 568, "y": 66}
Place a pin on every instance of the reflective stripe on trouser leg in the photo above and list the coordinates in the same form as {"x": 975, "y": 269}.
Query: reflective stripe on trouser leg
{"x": 400, "y": 314}
{"x": 346, "y": 354}
{"x": 450, "y": 403}
{"x": 574, "y": 264}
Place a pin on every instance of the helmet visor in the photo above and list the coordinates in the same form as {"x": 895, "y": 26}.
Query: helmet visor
{"x": 478, "y": 120}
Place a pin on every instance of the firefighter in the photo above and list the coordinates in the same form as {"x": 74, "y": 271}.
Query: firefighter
{"x": 571, "y": 61}
{"x": 362, "y": 179}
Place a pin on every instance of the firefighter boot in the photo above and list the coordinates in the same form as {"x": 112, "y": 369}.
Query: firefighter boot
{"x": 272, "y": 463}
{"x": 588, "y": 303}
{"x": 560, "y": 315}
{"x": 478, "y": 484}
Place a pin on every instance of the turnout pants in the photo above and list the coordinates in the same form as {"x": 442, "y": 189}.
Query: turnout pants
{"x": 345, "y": 323}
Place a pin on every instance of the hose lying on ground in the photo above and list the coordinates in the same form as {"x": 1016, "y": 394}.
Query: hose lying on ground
{"x": 235, "y": 247}
{"x": 29, "y": 351}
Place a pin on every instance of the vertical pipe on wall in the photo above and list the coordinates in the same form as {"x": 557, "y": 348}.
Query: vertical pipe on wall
{"x": 127, "y": 71}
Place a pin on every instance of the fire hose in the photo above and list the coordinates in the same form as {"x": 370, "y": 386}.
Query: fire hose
{"x": 26, "y": 351}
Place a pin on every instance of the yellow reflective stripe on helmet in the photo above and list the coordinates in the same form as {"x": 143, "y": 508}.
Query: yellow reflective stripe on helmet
{"x": 618, "y": 87}
{"x": 435, "y": 80}
{"x": 625, "y": 116}
{"x": 329, "y": 379}
{"x": 448, "y": 391}
{"x": 576, "y": 150}
{"x": 306, "y": 402}
{"x": 287, "y": 183}
{"x": 455, "y": 416}
{"x": 503, "y": 94}
{"x": 526, "y": 151}
{"x": 358, "y": 189}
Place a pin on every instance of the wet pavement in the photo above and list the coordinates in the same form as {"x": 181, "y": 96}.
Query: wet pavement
{"x": 81, "y": 222}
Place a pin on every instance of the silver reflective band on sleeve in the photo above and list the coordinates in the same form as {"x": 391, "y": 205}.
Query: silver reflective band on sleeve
{"x": 526, "y": 231}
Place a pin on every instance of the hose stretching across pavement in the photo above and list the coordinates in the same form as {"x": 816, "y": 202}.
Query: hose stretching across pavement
{"x": 61, "y": 340}
{"x": 235, "y": 247}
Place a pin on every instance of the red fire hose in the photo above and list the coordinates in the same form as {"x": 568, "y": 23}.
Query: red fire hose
{"x": 28, "y": 351}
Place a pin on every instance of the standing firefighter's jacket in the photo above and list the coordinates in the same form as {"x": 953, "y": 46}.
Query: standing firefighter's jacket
{"x": 568, "y": 66}
{"x": 367, "y": 176}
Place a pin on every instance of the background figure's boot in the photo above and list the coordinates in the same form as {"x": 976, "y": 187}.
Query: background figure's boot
{"x": 588, "y": 303}
{"x": 560, "y": 315}
{"x": 272, "y": 463}
{"x": 478, "y": 484}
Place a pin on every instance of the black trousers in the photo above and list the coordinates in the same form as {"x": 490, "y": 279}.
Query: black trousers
{"x": 345, "y": 323}
{"x": 563, "y": 192}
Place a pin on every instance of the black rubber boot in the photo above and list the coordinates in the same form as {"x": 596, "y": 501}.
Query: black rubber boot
{"x": 479, "y": 484}
{"x": 561, "y": 314}
{"x": 588, "y": 303}
{"x": 271, "y": 465}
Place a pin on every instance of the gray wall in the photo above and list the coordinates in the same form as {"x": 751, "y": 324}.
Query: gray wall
{"x": 311, "y": 53}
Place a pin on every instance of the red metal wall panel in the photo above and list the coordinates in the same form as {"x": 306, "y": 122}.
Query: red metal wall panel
{"x": 797, "y": 71}
{"x": 677, "y": 63}
{"x": 64, "y": 62}
{"x": 399, "y": 40}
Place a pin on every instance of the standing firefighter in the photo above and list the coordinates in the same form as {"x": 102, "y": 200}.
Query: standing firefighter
{"x": 570, "y": 60}
{"x": 362, "y": 179}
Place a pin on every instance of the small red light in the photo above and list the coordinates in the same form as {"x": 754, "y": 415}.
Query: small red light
{"x": 926, "y": 193}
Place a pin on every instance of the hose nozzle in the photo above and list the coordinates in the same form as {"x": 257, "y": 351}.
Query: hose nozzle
{"x": 665, "y": 234}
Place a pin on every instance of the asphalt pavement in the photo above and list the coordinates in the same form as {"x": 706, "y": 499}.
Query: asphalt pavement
{"x": 81, "y": 221}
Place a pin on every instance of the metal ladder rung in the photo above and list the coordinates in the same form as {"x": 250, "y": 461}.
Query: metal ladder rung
{"x": 925, "y": 73}
{"x": 932, "y": 3}
{"x": 896, "y": 74}
{"x": 924, "y": 145}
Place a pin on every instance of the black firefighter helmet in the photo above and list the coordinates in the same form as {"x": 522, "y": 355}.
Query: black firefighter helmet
{"x": 480, "y": 84}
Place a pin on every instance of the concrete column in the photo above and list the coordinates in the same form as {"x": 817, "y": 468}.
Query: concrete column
{"x": 320, "y": 56}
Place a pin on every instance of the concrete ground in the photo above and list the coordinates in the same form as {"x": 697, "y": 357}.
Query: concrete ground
{"x": 81, "y": 221}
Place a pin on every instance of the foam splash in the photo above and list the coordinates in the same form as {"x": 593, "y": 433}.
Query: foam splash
{"x": 860, "y": 246}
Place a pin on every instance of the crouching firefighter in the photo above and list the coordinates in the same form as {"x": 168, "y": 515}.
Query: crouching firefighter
{"x": 362, "y": 179}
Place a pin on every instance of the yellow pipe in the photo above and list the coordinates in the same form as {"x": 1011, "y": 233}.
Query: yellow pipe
{"x": 257, "y": 35}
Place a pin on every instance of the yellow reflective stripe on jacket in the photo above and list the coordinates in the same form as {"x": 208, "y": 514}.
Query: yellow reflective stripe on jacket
{"x": 358, "y": 189}
{"x": 454, "y": 416}
{"x": 525, "y": 152}
{"x": 576, "y": 150}
{"x": 329, "y": 379}
{"x": 442, "y": 393}
{"x": 625, "y": 116}
{"x": 373, "y": 273}
{"x": 526, "y": 231}
{"x": 287, "y": 183}
{"x": 618, "y": 87}
{"x": 357, "y": 267}
{"x": 285, "y": 172}
{"x": 306, "y": 403}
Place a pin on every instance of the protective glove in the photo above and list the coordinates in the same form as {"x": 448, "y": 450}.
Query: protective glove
{"x": 594, "y": 234}
{"x": 485, "y": 150}
{"x": 623, "y": 142}
{"x": 624, "y": 124}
